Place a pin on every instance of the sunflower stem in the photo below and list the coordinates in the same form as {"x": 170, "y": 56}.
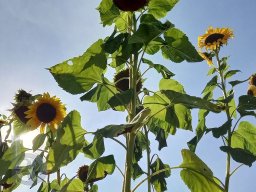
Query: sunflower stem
{"x": 58, "y": 176}
{"x": 148, "y": 159}
{"x": 223, "y": 86}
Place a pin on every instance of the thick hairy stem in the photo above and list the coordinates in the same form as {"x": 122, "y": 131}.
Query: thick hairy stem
{"x": 228, "y": 160}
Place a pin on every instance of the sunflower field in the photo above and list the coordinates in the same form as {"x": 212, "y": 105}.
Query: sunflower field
{"x": 113, "y": 75}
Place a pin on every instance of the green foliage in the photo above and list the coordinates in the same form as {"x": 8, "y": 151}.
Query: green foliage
{"x": 69, "y": 142}
{"x": 159, "y": 8}
{"x": 222, "y": 130}
{"x": 197, "y": 175}
{"x": 247, "y": 105}
{"x": 79, "y": 74}
{"x": 95, "y": 149}
{"x": 158, "y": 180}
{"x": 38, "y": 141}
{"x": 108, "y": 12}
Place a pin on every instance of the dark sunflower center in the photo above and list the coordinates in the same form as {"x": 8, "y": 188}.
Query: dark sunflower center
{"x": 46, "y": 112}
{"x": 213, "y": 38}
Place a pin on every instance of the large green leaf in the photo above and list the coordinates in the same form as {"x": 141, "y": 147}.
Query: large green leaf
{"x": 108, "y": 12}
{"x": 121, "y": 99}
{"x": 95, "y": 149}
{"x": 79, "y": 74}
{"x": 69, "y": 141}
{"x": 211, "y": 85}
{"x": 113, "y": 43}
{"x": 12, "y": 157}
{"x": 149, "y": 29}
{"x": 196, "y": 174}
{"x": 171, "y": 84}
{"x": 190, "y": 101}
{"x": 100, "y": 168}
{"x": 38, "y": 141}
{"x": 158, "y": 180}
{"x": 121, "y": 22}
{"x": 159, "y": 8}
{"x": 178, "y": 47}
{"x": 166, "y": 114}
{"x": 222, "y": 130}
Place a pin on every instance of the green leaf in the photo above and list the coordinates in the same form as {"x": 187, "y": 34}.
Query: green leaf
{"x": 166, "y": 114}
{"x": 171, "y": 84}
{"x": 161, "y": 137}
{"x": 121, "y": 99}
{"x": 100, "y": 168}
{"x": 236, "y": 82}
{"x": 158, "y": 181}
{"x": 149, "y": 29}
{"x": 196, "y": 174}
{"x": 113, "y": 42}
{"x": 159, "y": 8}
{"x": 190, "y": 101}
{"x": 38, "y": 141}
{"x": 240, "y": 155}
{"x": 12, "y": 157}
{"x": 140, "y": 145}
{"x": 101, "y": 95}
{"x": 247, "y": 105}
{"x": 178, "y": 47}
{"x": 231, "y": 73}
{"x": 79, "y": 74}
{"x": 69, "y": 142}
{"x": 96, "y": 148}
{"x": 243, "y": 143}
{"x": 222, "y": 130}
{"x": 166, "y": 73}
{"x": 154, "y": 46}
{"x": 108, "y": 12}
{"x": 121, "y": 22}
{"x": 200, "y": 130}
{"x": 210, "y": 86}
{"x": 211, "y": 71}
{"x": 136, "y": 171}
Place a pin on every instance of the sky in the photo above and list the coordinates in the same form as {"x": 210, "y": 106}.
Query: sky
{"x": 36, "y": 35}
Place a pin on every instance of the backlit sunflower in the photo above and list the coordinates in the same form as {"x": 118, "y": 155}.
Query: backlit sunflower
{"x": 46, "y": 110}
{"x": 207, "y": 57}
{"x": 214, "y": 38}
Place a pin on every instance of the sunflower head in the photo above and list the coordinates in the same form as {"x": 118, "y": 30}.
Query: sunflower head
{"x": 121, "y": 81}
{"x": 46, "y": 110}
{"x": 83, "y": 172}
{"x": 207, "y": 57}
{"x": 19, "y": 112}
{"x": 214, "y": 38}
{"x": 130, "y": 5}
{"x": 251, "y": 90}
{"x": 252, "y": 80}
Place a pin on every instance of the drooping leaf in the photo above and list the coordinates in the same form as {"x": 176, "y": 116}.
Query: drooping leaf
{"x": 12, "y": 157}
{"x": 240, "y": 155}
{"x": 120, "y": 99}
{"x": 95, "y": 149}
{"x": 171, "y": 84}
{"x": 69, "y": 142}
{"x": 113, "y": 43}
{"x": 140, "y": 145}
{"x": 200, "y": 130}
{"x": 178, "y": 48}
{"x": 196, "y": 174}
{"x": 108, "y": 12}
{"x": 136, "y": 171}
{"x": 100, "y": 168}
{"x": 159, "y": 8}
{"x": 190, "y": 101}
{"x": 161, "y": 137}
{"x": 222, "y": 130}
{"x": 101, "y": 95}
{"x": 166, "y": 73}
{"x": 38, "y": 141}
{"x": 79, "y": 74}
{"x": 158, "y": 181}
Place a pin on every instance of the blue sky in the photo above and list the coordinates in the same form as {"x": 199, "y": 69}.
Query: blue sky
{"x": 35, "y": 35}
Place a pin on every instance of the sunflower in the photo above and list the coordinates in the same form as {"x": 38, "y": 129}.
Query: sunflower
{"x": 214, "y": 38}
{"x": 207, "y": 57}
{"x": 251, "y": 90}
{"x": 46, "y": 110}
{"x": 252, "y": 80}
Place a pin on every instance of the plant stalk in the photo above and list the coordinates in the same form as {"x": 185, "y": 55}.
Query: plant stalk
{"x": 148, "y": 159}
{"x": 228, "y": 159}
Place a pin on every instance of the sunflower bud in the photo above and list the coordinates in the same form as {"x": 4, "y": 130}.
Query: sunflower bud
{"x": 251, "y": 90}
{"x": 130, "y": 5}
{"x": 83, "y": 173}
{"x": 252, "y": 80}
{"x": 121, "y": 81}
{"x": 19, "y": 111}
